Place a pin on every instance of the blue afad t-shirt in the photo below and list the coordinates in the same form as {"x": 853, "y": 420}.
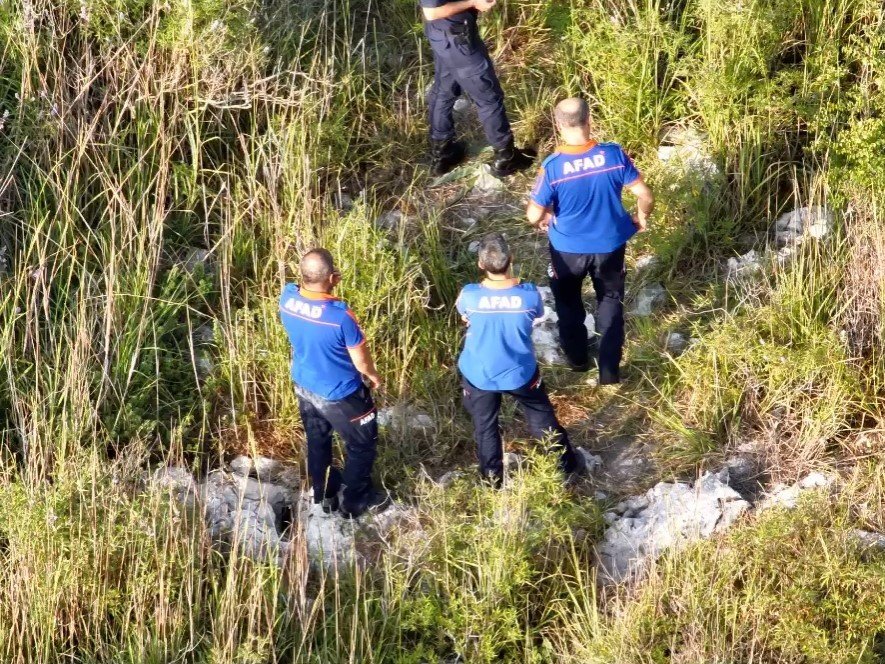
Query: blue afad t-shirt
{"x": 321, "y": 329}
{"x": 581, "y": 186}
{"x": 498, "y": 353}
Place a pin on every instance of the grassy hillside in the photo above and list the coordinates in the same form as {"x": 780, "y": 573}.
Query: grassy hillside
{"x": 163, "y": 164}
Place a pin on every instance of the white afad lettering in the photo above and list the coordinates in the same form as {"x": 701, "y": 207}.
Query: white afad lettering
{"x": 303, "y": 308}
{"x": 500, "y": 302}
{"x": 583, "y": 164}
{"x": 368, "y": 418}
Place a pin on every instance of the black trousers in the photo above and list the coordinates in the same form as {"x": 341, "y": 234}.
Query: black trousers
{"x": 354, "y": 419}
{"x": 461, "y": 63}
{"x": 567, "y": 273}
{"x": 484, "y": 407}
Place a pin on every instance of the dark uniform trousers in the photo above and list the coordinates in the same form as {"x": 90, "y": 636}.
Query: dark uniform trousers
{"x": 484, "y": 407}
{"x": 354, "y": 419}
{"x": 567, "y": 273}
{"x": 462, "y": 64}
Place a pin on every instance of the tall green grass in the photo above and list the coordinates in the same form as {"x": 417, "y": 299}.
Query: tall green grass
{"x": 139, "y": 132}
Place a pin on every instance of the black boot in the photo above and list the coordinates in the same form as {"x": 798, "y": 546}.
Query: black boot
{"x": 445, "y": 155}
{"x": 510, "y": 159}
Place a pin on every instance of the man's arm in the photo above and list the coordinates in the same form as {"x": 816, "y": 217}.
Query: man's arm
{"x": 452, "y": 8}
{"x": 645, "y": 203}
{"x": 362, "y": 360}
{"x": 538, "y": 216}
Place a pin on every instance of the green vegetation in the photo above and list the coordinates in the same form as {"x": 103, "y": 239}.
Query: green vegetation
{"x": 164, "y": 163}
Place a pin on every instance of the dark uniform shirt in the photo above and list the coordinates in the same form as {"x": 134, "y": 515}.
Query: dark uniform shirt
{"x": 459, "y": 20}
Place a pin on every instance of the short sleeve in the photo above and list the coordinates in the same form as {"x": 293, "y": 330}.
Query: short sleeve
{"x": 459, "y": 304}
{"x": 353, "y": 335}
{"x": 537, "y": 309}
{"x": 631, "y": 173}
{"x": 542, "y": 192}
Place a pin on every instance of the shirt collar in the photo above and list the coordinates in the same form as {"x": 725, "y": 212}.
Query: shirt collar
{"x": 314, "y": 295}
{"x": 503, "y": 284}
{"x": 577, "y": 149}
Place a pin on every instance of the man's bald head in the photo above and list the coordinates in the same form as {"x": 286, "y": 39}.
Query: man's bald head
{"x": 572, "y": 113}
{"x": 317, "y": 267}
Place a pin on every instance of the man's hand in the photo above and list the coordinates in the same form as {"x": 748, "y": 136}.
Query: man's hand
{"x": 483, "y": 5}
{"x": 374, "y": 381}
{"x": 544, "y": 224}
{"x": 641, "y": 222}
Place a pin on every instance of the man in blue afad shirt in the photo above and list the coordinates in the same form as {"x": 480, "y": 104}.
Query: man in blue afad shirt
{"x": 329, "y": 361}
{"x": 499, "y": 358}
{"x": 577, "y": 200}
{"x": 461, "y": 63}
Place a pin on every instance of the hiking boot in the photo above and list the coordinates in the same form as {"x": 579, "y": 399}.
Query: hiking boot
{"x": 510, "y": 159}
{"x": 328, "y": 505}
{"x": 445, "y": 155}
{"x": 374, "y": 503}
{"x": 582, "y": 367}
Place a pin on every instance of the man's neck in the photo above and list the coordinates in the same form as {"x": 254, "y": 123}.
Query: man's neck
{"x": 500, "y": 280}
{"x": 317, "y": 290}
{"x": 578, "y": 136}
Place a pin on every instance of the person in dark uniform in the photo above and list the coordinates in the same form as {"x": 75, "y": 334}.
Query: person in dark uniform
{"x": 577, "y": 201}
{"x": 499, "y": 358}
{"x": 329, "y": 360}
{"x": 462, "y": 64}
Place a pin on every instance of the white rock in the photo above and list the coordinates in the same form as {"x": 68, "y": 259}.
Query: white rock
{"x": 647, "y": 262}
{"x": 177, "y": 482}
{"x": 268, "y": 470}
{"x": 462, "y": 105}
{"x": 686, "y": 150}
{"x": 486, "y": 183}
{"x": 473, "y": 247}
{"x": 469, "y": 222}
{"x": 868, "y": 540}
{"x": 748, "y": 264}
{"x": 405, "y": 418}
{"x": 675, "y": 343}
{"x": 196, "y": 257}
{"x": 592, "y": 462}
{"x": 512, "y": 460}
{"x": 648, "y": 299}
{"x": 815, "y": 221}
{"x": 781, "y": 495}
{"x": 449, "y": 478}
{"x": 668, "y": 515}
{"x": 392, "y": 220}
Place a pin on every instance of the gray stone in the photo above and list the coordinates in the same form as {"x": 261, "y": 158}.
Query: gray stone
{"x": 392, "y": 220}
{"x": 462, "y": 105}
{"x": 473, "y": 247}
{"x": 647, "y": 262}
{"x": 592, "y": 462}
{"x": 267, "y": 470}
{"x": 545, "y": 331}
{"x": 512, "y": 460}
{"x": 486, "y": 183}
{"x": 869, "y": 542}
{"x": 177, "y": 482}
{"x": 675, "y": 343}
{"x": 748, "y": 264}
{"x": 648, "y": 299}
{"x": 406, "y": 418}
{"x": 196, "y": 258}
{"x": 686, "y": 151}
{"x": 448, "y": 479}
{"x": 787, "y": 497}
{"x": 793, "y": 227}
{"x": 669, "y": 515}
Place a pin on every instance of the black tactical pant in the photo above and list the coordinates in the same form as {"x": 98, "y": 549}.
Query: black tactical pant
{"x": 354, "y": 419}
{"x": 484, "y": 407}
{"x": 462, "y": 64}
{"x": 606, "y": 271}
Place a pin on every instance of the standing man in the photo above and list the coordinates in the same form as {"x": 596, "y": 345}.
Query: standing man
{"x": 329, "y": 360}
{"x": 577, "y": 200}
{"x": 499, "y": 358}
{"x": 461, "y": 63}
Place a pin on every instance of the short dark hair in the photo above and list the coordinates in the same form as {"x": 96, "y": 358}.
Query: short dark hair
{"x": 572, "y": 112}
{"x": 317, "y": 266}
{"x": 494, "y": 254}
